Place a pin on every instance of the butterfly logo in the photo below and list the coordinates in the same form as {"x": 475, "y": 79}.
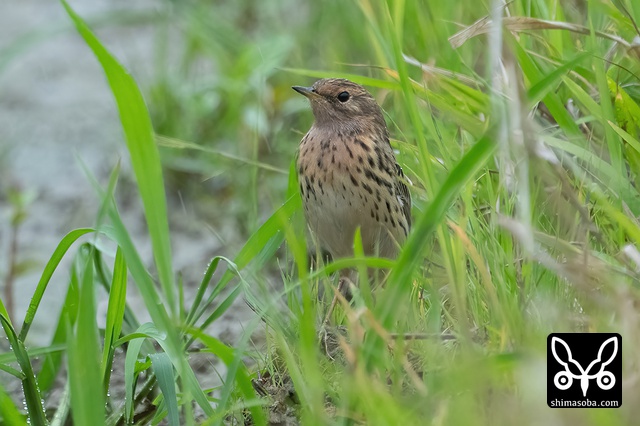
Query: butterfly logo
{"x": 564, "y": 379}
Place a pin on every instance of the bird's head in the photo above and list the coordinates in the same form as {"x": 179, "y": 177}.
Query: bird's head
{"x": 340, "y": 103}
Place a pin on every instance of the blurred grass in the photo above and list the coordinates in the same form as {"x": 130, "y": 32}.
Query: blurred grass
{"x": 521, "y": 140}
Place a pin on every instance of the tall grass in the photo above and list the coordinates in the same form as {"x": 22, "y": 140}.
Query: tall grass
{"x": 518, "y": 126}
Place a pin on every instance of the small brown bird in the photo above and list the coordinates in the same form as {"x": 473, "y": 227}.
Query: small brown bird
{"x": 348, "y": 173}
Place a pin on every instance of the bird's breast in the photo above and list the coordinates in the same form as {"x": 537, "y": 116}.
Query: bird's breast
{"x": 344, "y": 185}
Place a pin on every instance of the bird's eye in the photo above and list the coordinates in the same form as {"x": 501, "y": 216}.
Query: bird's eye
{"x": 343, "y": 97}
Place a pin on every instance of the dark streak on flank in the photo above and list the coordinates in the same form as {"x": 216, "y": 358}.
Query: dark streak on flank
{"x": 348, "y": 150}
{"x": 363, "y": 145}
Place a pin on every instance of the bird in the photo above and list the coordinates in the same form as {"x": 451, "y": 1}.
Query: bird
{"x": 349, "y": 176}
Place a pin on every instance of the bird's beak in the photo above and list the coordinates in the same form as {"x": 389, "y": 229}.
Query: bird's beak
{"x": 304, "y": 91}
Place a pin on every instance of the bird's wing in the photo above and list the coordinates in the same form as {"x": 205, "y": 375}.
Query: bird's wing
{"x": 403, "y": 191}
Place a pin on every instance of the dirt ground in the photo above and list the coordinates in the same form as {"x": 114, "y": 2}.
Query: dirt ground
{"x": 56, "y": 111}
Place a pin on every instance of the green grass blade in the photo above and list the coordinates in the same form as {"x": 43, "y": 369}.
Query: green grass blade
{"x": 32, "y": 397}
{"x": 68, "y": 314}
{"x": 34, "y": 352}
{"x": 61, "y": 417}
{"x": 633, "y": 142}
{"x": 115, "y": 315}
{"x": 606, "y": 175}
{"x": 270, "y": 230}
{"x": 9, "y": 413}
{"x": 551, "y": 100}
{"x": 237, "y": 370}
{"x": 48, "y": 271}
{"x": 191, "y": 387}
{"x": 261, "y": 246}
{"x": 145, "y": 158}
{"x": 461, "y": 175}
{"x": 611, "y": 138}
{"x": 180, "y": 144}
{"x": 135, "y": 341}
{"x": 540, "y": 89}
{"x": 130, "y": 375}
{"x": 395, "y": 30}
{"x": 171, "y": 342}
{"x": 83, "y": 350}
{"x": 10, "y": 370}
{"x": 3, "y": 311}
{"x": 163, "y": 369}
{"x": 222, "y": 307}
{"x": 206, "y": 279}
